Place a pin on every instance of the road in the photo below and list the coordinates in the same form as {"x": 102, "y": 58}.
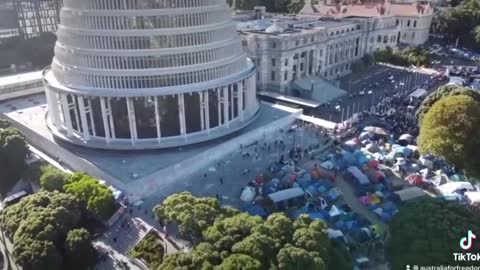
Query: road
{"x": 403, "y": 81}
{"x": 9, "y": 250}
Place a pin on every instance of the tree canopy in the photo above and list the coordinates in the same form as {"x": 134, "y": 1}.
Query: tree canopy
{"x": 39, "y": 225}
{"x": 52, "y": 178}
{"x": 79, "y": 250}
{"x": 194, "y": 215}
{"x": 228, "y": 241}
{"x": 441, "y": 92}
{"x": 428, "y": 232}
{"x": 149, "y": 249}
{"x": 460, "y": 23}
{"x": 450, "y": 129}
{"x": 409, "y": 56}
{"x": 96, "y": 197}
{"x": 13, "y": 151}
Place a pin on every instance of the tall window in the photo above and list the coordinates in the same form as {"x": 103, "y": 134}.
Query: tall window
{"x": 414, "y": 23}
{"x": 273, "y": 62}
{"x": 273, "y": 76}
{"x": 274, "y": 45}
{"x": 285, "y": 77}
{"x": 408, "y": 23}
{"x": 286, "y": 61}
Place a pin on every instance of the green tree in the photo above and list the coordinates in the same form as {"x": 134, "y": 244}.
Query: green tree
{"x": 149, "y": 249}
{"x": 294, "y": 6}
{"x": 96, "y": 197}
{"x": 33, "y": 254}
{"x": 38, "y": 226}
{"x": 79, "y": 250}
{"x": 441, "y": 92}
{"x": 340, "y": 258}
{"x": 52, "y": 178}
{"x": 13, "y": 151}
{"x": 449, "y": 130}
{"x": 294, "y": 258}
{"x": 427, "y": 233}
{"x": 193, "y": 215}
{"x": 239, "y": 262}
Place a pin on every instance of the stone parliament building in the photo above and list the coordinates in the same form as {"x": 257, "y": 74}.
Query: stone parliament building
{"x": 324, "y": 39}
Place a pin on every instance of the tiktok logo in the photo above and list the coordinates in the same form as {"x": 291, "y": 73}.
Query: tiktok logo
{"x": 466, "y": 243}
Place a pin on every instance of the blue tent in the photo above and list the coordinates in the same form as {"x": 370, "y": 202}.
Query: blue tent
{"x": 256, "y": 210}
{"x": 361, "y": 158}
{"x": 316, "y": 216}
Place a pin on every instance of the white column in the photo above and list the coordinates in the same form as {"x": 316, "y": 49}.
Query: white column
{"x": 83, "y": 117}
{"x": 106, "y": 126}
{"x": 75, "y": 111}
{"x": 181, "y": 114}
{"x": 157, "y": 119}
{"x": 131, "y": 119}
{"x": 110, "y": 116}
{"x": 53, "y": 108}
{"x": 207, "y": 111}
{"x": 240, "y": 99}
{"x": 90, "y": 111}
{"x": 232, "y": 100}
{"x": 66, "y": 114}
{"x": 202, "y": 113}
{"x": 225, "y": 105}
{"x": 219, "y": 106}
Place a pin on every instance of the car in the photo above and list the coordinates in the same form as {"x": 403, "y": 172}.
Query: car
{"x": 338, "y": 108}
{"x": 361, "y": 93}
{"x": 390, "y": 77}
{"x": 401, "y": 83}
{"x": 370, "y": 92}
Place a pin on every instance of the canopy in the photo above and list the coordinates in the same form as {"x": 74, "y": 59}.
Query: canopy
{"x": 286, "y": 194}
{"x": 452, "y": 187}
{"x": 362, "y": 178}
{"x": 406, "y": 137}
{"x": 418, "y": 93}
{"x": 438, "y": 180}
{"x": 409, "y": 194}
{"x": 327, "y": 165}
{"x": 376, "y": 130}
{"x": 248, "y": 194}
{"x": 473, "y": 197}
{"x": 372, "y": 148}
{"x": 365, "y": 135}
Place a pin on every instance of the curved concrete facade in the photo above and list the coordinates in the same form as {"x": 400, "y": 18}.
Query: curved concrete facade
{"x": 137, "y": 74}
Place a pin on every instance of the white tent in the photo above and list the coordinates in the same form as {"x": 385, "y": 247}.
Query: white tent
{"x": 410, "y": 193}
{"x": 248, "y": 194}
{"x": 418, "y": 93}
{"x": 362, "y": 178}
{"x": 406, "y": 137}
{"x": 452, "y": 187}
{"x": 473, "y": 197}
{"x": 334, "y": 234}
{"x": 334, "y": 211}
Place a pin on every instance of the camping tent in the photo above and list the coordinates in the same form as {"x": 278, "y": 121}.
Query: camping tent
{"x": 248, "y": 194}
{"x": 409, "y": 194}
{"x": 415, "y": 179}
{"x": 473, "y": 197}
{"x": 334, "y": 211}
{"x": 452, "y": 187}
{"x": 418, "y": 93}
{"x": 376, "y": 130}
{"x": 359, "y": 176}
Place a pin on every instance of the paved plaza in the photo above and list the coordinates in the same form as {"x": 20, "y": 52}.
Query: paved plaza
{"x": 403, "y": 81}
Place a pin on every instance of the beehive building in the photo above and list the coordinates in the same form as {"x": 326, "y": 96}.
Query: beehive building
{"x": 138, "y": 74}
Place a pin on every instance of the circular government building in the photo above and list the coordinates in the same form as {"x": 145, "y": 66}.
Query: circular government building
{"x": 139, "y": 74}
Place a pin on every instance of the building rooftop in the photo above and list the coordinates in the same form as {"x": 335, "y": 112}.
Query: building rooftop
{"x": 20, "y": 78}
{"x": 291, "y": 25}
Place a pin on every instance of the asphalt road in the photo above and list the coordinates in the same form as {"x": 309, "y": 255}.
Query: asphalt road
{"x": 353, "y": 102}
